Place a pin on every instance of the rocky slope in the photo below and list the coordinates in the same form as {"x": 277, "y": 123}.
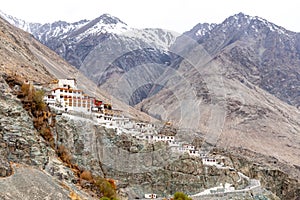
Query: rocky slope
{"x": 25, "y": 149}
{"x": 28, "y": 162}
{"x": 209, "y": 92}
{"x": 141, "y": 167}
{"x": 265, "y": 54}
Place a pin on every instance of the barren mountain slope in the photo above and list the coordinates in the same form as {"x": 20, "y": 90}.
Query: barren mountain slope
{"x": 16, "y": 56}
{"x": 23, "y": 55}
{"x": 204, "y": 95}
{"x": 266, "y": 54}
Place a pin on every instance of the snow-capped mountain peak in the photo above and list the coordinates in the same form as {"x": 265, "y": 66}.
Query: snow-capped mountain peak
{"x": 19, "y": 23}
{"x": 109, "y": 19}
{"x": 241, "y": 20}
{"x": 101, "y": 25}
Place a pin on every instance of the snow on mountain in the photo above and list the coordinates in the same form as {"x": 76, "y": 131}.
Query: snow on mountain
{"x": 59, "y": 29}
{"x": 204, "y": 29}
{"x": 102, "y": 25}
{"x": 19, "y": 23}
{"x": 154, "y": 37}
{"x": 242, "y": 20}
{"x": 199, "y": 30}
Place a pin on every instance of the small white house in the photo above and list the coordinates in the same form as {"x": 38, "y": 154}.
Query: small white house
{"x": 209, "y": 161}
{"x": 157, "y": 138}
{"x": 150, "y": 196}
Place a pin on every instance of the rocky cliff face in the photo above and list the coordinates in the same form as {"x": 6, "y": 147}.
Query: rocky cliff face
{"x": 271, "y": 172}
{"x": 141, "y": 167}
{"x": 138, "y": 167}
{"x": 18, "y": 136}
{"x": 30, "y": 167}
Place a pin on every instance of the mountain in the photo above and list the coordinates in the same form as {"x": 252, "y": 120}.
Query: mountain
{"x": 19, "y": 23}
{"x": 97, "y": 47}
{"x": 266, "y": 54}
{"x": 200, "y": 30}
{"x": 69, "y": 40}
{"x": 232, "y": 84}
{"x": 106, "y": 48}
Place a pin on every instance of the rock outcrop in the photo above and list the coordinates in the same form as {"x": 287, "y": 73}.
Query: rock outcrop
{"x": 20, "y": 142}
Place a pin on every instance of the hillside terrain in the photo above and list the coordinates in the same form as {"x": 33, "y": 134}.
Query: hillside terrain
{"x": 215, "y": 86}
{"x": 216, "y": 94}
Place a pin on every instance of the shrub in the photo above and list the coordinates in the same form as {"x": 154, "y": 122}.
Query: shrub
{"x": 38, "y": 100}
{"x": 64, "y": 155}
{"x": 25, "y": 88}
{"x": 106, "y": 188}
{"x": 181, "y": 196}
{"x": 105, "y": 198}
{"x": 46, "y": 133}
{"x": 86, "y": 175}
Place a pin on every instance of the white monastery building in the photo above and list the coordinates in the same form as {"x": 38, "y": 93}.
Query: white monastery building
{"x": 66, "y": 96}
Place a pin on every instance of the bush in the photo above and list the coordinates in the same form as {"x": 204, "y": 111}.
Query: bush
{"x": 64, "y": 155}
{"x": 46, "y": 133}
{"x": 106, "y": 188}
{"x": 36, "y": 96}
{"x": 86, "y": 175}
{"x": 25, "y": 88}
{"x": 105, "y": 198}
{"x": 181, "y": 196}
{"x": 38, "y": 100}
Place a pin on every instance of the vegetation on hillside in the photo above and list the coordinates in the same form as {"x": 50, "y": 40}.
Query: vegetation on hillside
{"x": 181, "y": 196}
{"x": 33, "y": 102}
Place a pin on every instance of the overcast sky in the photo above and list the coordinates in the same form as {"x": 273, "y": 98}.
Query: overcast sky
{"x": 176, "y": 15}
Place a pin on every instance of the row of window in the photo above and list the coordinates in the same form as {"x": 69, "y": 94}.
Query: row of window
{"x": 158, "y": 137}
{"x": 69, "y": 91}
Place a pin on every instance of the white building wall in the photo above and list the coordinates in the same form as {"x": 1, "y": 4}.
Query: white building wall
{"x": 67, "y": 82}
